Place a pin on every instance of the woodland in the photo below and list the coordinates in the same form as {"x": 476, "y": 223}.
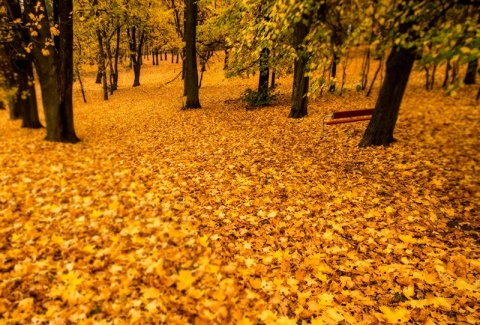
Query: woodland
{"x": 162, "y": 162}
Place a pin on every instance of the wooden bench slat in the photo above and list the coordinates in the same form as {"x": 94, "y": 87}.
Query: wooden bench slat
{"x": 346, "y": 114}
{"x": 348, "y": 120}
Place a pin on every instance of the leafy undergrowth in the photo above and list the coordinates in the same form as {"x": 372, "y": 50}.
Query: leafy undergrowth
{"x": 227, "y": 216}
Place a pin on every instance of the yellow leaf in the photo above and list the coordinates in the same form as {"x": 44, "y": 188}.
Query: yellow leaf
{"x": 395, "y": 315}
{"x": 185, "y": 279}
{"x": 409, "y": 291}
{"x": 151, "y": 293}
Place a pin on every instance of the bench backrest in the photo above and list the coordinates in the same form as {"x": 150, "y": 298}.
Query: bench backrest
{"x": 359, "y": 112}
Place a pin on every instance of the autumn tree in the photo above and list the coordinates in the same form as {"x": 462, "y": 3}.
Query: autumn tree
{"x": 409, "y": 23}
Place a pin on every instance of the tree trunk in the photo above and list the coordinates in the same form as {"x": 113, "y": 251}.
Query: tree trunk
{"x": 300, "y": 81}
{"x": 471, "y": 72}
{"x": 381, "y": 126}
{"x": 63, "y": 128}
{"x": 136, "y": 56}
{"x": 115, "y": 62}
{"x": 101, "y": 64}
{"x": 264, "y": 73}
{"x": 191, "y": 72}
{"x": 136, "y": 73}
{"x": 98, "y": 80}
{"x": 55, "y": 70}
{"x": 27, "y": 96}
{"x": 334, "y": 74}
{"x": 447, "y": 74}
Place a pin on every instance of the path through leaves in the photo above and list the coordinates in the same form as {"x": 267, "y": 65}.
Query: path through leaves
{"x": 227, "y": 216}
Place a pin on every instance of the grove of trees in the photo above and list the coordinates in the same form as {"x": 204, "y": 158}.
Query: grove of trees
{"x": 270, "y": 38}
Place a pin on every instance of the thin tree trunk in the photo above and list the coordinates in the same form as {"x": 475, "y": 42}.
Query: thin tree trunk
{"x": 334, "y": 73}
{"x": 432, "y": 78}
{"x": 77, "y": 71}
{"x": 427, "y": 78}
{"x": 365, "y": 68}
{"x": 136, "y": 56}
{"x": 101, "y": 64}
{"x": 380, "y": 64}
{"x": 264, "y": 73}
{"x": 117, "y": 53}
{"x": 272, "y": 83}
{"x": 384, "y": 118}
{"x": 191, "y": 73}
{"x": 447, "y": 73}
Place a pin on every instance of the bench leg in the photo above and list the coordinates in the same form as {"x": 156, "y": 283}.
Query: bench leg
{"x": 323, "y": 122}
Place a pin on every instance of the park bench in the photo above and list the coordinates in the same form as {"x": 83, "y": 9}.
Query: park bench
{"x": 347, "y": 117}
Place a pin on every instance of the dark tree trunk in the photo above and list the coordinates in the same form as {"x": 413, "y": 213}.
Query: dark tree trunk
{"x": 471, "y": 72}
{"x": 15, "y": 108}
{"x": 191, "y": 72}
{"x": 300, "y": 81}
{"x": 98, "y": 80}
{"x": 136, "y": 73}
{"x": 136, "y": 56}
{"x": 62, "y": 129}
{"x": 27, "y": 96}
{"x": 381, "y": 126}
{"x": 166, "y": 56}
{"x": 447, "y": 74}
{"x": 55, "y": 70}
{"x": 117, "y": 53}
{"x": 334, "y": 74}
{"x": 101, "y": 65}
{"x": 264, "y": 73}
{"x": 178, "y": 56}
{"x": 272, "y": 84}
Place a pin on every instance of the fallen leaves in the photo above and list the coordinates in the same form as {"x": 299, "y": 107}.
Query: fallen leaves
{"x": 222, "y": 216}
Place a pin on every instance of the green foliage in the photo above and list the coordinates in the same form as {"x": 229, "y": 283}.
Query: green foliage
{"x": 258, "y": 99}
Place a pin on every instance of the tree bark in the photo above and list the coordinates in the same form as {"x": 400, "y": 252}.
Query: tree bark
{"x": 471, "y": 72}
{"x": 381, "y": 126}
{"x": 136, "y": 56}
{"x": 63, "y": 129}
{"x": 264, "y": 73}
{"x": 55, "y": 71}
{"x": 334, "y": 74}
{"x": 300, "y": 81}
{"x": 102, "y": 71}
{"x": 27, "y": 96}
{"x": 191, "y": 72}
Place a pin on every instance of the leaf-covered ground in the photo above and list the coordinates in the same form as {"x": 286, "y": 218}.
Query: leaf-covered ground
{"x": 227, "y": 216}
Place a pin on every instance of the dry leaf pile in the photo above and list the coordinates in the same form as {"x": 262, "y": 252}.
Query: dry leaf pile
{"x": 228, "y": 216}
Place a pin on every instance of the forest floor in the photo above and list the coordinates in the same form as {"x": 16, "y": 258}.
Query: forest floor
{"x": 227, "y": 216}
